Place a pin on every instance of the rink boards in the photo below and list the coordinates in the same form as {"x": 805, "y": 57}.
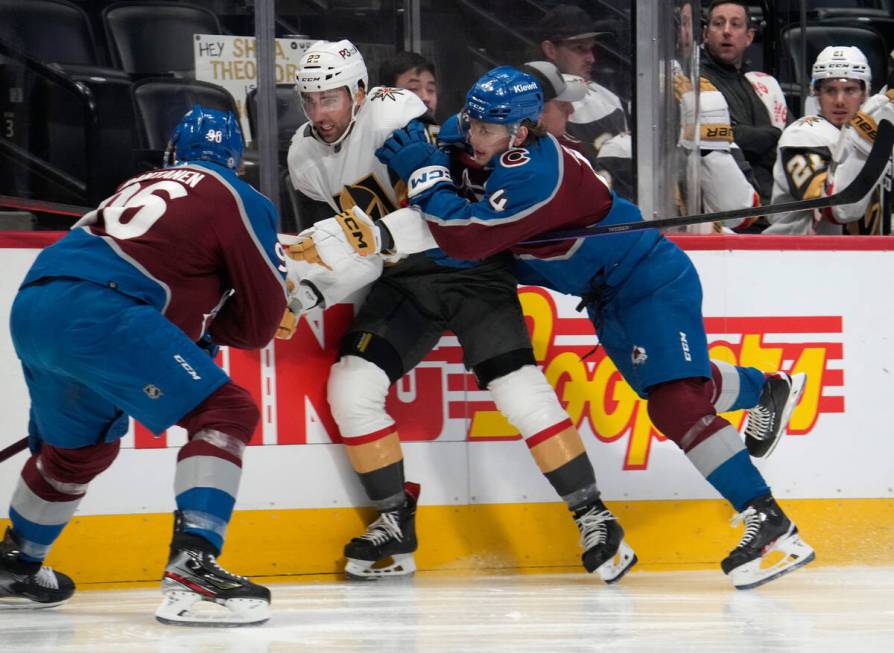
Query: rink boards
{"x": 817, "y": 305}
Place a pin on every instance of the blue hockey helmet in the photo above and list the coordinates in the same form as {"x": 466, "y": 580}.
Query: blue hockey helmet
{"x": 504, "y": 95}
{"x": 205, "y": 134}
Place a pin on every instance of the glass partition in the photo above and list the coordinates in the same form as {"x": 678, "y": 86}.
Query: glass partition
{"x": 87, "y": 98}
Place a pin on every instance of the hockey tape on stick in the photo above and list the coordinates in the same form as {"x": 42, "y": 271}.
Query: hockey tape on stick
{"x": 13, "y": 449}
{"x": 864, "y": 182}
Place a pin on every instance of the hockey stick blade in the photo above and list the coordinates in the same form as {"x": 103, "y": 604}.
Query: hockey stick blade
{"x": 13, "y": 449}
{"x": 864, "y": 182}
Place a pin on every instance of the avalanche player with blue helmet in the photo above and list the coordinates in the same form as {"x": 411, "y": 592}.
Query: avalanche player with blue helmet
{"x": 641, "y": 292}
{"x": 106, "y": 324}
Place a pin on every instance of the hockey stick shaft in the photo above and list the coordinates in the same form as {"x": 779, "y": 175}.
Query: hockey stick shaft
{"x": 875, "y": 165}
{"x": 13, "y": 449}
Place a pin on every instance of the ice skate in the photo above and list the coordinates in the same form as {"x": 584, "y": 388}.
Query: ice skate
{"x": 193, "y": 580}
{"x": 769, "y": 418}
{"x": 602, "y": 540}
{"x": 392, "y": 535}
{"x": 29, "y": 585}
{"x": 770, "y": 546}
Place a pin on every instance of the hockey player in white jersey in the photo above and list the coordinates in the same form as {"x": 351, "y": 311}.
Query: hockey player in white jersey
{"x": 332, "y": 159}
{"x": 840, "y": 80}
{"x": 869, "y": 215}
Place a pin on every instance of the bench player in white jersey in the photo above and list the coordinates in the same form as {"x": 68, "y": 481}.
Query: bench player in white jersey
{"x": 840, "y": 80}
{"x": 332, "y": 159}
{"x": 872, "y": 214}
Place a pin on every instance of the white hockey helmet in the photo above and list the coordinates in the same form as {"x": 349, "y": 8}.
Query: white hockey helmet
{"x": 841, "y": 62}
{"x": 331, "y": 64}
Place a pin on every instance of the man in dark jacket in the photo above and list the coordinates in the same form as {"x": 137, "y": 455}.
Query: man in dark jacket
{"x": 757, "y": 108}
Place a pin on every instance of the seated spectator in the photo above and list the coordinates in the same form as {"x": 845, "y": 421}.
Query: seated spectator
{"x": 757, "y": 108}
{"x": 412, "y": 71}
{"x": 840, "y": 81}
{"x": 567, "y": 36}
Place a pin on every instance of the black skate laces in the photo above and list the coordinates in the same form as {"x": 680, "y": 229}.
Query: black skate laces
{"x": 753, "y": 520}
{"x": 592, "y": 527}
{"x": 383, "y": 529}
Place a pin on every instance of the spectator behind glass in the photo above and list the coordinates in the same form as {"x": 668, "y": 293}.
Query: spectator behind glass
{"x": 757, "y": 108}
{"x": 567, "y": 36}
{"x": 412, "y": 71}
{"x": 559, "y": 91}
{"x": 840, "y": 81}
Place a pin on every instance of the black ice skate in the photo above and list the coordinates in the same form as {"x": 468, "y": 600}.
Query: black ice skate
{"x": 392, "y": 535}
{"x": 767, "y": 421}
{"x": 193, "y": 575}
{"x": 26, "y": 584}
{"x": 602, "y": 540}
{"x": 770, "y": 546}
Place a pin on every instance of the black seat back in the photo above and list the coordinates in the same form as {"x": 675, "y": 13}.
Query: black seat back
{"x": 793, "y": 69}
{"x": 50, "y": 31}
{"x": 151, "y": 37}
{"x": 160, "y": 103}
{"x": 289, "y": 114}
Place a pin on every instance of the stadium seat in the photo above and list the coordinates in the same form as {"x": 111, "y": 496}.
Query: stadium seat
{"x": 289, "y": 115}
{"x": 792, "y": 70}
{"x": 50, "y": 31}
{"x": 154, "y": 37}
{"x": 160, "y": 103}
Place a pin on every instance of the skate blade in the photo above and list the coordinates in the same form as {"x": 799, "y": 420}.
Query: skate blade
{"x": 182, "y": 608}
{"x": 22, "y": 603}
{"x": 795, "y": 553}
{"x": 614, "y": 569}
{"x": 402, "y": 565}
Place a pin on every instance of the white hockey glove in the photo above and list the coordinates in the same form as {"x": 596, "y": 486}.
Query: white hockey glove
{"x": 408, "y": 232}
{"x": 302, "y": 296}
{"x": 322, "y": 258}
{"x": 715, "y": 131}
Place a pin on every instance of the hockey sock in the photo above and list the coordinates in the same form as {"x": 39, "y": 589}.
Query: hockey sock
{"x": 575, "y": 482}
{"x": 724, "y": 462}
{"x": 49, "y": 490}
{"x": 206, "y": 483}
{"x": 385, "y": 486}
{"x": 735, "y": 387}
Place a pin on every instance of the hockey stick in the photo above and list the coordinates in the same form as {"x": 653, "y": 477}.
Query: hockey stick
{"x": 13, "y": 449}
{"x": 864, "y": 182}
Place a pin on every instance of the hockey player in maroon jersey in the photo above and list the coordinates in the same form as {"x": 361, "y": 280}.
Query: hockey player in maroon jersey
{"x": 106, "y": 324}
{"x": 642, "y": 293}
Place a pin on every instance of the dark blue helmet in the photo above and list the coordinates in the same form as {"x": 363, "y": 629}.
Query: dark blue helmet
{"x": 506, "y": 96}
{"x": 205, "y": 134}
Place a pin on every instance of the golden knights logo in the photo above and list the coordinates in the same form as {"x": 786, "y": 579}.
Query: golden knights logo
{"x": 369, "y": 195}
{"x": 386, "y": 93}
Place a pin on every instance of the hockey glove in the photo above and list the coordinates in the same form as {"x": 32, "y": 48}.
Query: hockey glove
{"x": 287, "y": 325}
{"x": 414, "y": 159}
{"x": 305, "y": 249}
{"x": 361, "y": 232}
{"x": 302, "y": 297}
